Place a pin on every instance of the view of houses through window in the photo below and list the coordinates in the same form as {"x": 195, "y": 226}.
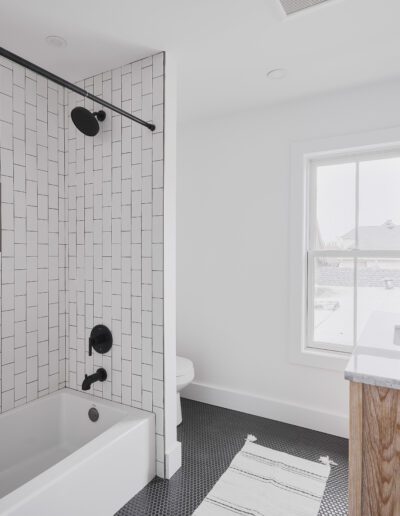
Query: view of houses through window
{"x": 353, "y": 246}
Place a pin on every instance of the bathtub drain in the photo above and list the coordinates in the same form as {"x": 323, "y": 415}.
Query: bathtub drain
{"x": 93, "y": 414}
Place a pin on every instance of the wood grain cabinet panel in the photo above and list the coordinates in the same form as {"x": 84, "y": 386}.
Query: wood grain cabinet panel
{"x": 374, "y": 458}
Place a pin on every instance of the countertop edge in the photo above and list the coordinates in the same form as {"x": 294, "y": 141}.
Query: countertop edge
{"x": 376, "y": 381}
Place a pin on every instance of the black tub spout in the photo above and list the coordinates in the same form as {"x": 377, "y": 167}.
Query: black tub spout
{"x": 99, "y": 376}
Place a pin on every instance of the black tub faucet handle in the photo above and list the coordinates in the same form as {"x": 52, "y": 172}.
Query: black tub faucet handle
{"x": 91, "y": 342}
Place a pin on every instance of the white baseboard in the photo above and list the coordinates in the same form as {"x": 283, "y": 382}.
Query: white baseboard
{"x": 294, "y": 414}
{"x": 173, "y": 460}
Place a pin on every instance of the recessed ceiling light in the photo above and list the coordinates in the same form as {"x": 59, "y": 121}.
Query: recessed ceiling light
{"x": 56, "y": 41}
{"x": 278, "y": 73}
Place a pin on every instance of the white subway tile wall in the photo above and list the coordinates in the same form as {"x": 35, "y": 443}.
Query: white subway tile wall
{"x": 33, "y": 257}
{"x": 114, "y": 185}
{"x": 82, "y": 238}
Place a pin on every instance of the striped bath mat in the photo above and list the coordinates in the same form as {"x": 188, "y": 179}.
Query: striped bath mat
{"x": 264, "y": 482}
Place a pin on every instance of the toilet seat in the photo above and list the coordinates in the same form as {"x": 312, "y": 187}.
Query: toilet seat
{"x": 184, "y": 372}
{"x": 183, "y": 366}
{"x": 184, "y": 376}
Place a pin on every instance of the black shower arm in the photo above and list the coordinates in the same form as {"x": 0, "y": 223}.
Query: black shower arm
{"x": 70, "y": 86}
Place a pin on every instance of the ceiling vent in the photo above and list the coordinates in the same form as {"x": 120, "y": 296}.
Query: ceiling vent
{"x": 294, "y": 6}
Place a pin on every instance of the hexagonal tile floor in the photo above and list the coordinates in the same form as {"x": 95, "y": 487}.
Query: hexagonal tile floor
{"x": 211, "y": 436}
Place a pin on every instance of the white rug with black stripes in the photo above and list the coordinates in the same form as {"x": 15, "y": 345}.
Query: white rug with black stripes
{"x": 264, "y": 482}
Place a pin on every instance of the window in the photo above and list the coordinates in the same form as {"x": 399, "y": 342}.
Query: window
{"x": 352, "y": 243}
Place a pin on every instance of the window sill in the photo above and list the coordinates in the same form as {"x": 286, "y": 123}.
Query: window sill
{"x": 321, "y": 359}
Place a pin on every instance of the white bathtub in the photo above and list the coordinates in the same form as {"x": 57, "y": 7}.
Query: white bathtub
{"x": 54, "y": 461}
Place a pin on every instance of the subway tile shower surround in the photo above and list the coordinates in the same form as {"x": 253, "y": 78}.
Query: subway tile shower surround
{"x": 33, "y": 257}
{"x": 82, "y": 240}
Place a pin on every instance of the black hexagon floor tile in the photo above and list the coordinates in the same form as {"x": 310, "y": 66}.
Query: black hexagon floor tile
{"x": 211, "y": 436}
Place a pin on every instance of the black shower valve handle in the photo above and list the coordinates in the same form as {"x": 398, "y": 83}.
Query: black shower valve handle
{"x": 91, "y": 342}
{"x": 100, "y": 339}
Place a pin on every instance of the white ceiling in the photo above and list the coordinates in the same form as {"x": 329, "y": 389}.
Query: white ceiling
{"x": 223, "y": 47}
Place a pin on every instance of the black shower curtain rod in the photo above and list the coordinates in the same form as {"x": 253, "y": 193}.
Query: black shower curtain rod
{"x": 70, "y": 86}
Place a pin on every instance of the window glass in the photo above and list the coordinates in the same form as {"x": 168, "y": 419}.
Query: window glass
{"x": 333, "y": 294}
{"x": 378, "y": 290}
{"x": 335, "y": 206}
{"x": 379, "y": 204}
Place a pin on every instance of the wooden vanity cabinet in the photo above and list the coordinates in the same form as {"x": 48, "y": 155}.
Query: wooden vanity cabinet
{"x": 374, "y": 451}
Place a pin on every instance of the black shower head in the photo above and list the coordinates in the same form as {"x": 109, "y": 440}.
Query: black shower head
{"x": 86, "y": 121}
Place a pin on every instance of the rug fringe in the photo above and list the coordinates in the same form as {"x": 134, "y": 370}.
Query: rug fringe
{"x": 327, "y": 461}
{"x": 251, "y": 438}
{"x": 324, "y": 460}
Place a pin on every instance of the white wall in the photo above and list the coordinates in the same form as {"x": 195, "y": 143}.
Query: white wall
{"x": 233, "y": 253}
{"x": 173, "y": 449}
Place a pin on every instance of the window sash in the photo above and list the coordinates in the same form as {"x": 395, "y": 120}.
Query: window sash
{"x": 312, "y": 166}
{"x": 355, "y": 255}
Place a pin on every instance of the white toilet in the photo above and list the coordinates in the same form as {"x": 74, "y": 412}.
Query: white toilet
{"x": 184, "y": 376}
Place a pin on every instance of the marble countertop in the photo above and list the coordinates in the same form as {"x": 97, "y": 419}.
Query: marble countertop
{"x": 376, "y": 358}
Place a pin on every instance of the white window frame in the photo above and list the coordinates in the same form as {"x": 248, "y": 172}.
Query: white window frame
{"x": 303, "y": 156}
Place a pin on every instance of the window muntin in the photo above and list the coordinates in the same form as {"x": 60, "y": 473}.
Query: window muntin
{"x": 353, "y": 254}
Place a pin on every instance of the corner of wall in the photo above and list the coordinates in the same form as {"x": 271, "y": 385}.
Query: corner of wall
{"x": 170, "y": 266}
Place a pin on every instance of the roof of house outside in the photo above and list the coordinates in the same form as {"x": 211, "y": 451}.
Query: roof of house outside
{"x": 385, "y": 237}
